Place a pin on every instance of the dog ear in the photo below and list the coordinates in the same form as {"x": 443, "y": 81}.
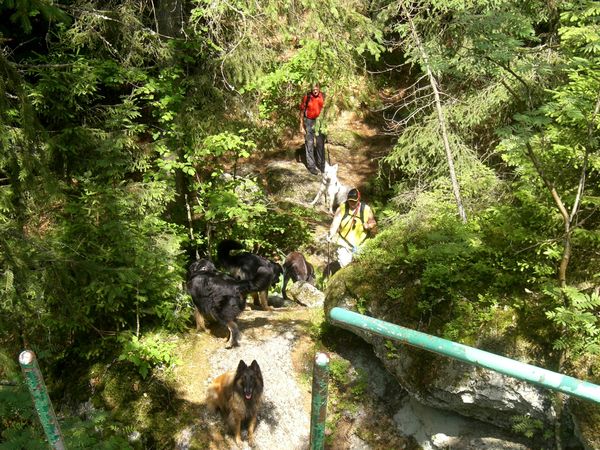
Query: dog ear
{"x": 241, "y": 367}
{"x": 254, "y": 366}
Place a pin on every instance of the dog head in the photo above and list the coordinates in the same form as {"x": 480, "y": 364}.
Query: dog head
{"x": 201, "y": 266}
{"x": 330, "y": 172}
{"x": 248, "y": 381}
{"x": 277, "y": 271}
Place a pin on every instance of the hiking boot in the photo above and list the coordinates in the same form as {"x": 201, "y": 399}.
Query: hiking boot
{"x": 314, "y": 171}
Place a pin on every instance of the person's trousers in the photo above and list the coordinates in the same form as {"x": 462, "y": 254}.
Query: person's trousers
{"x": 344, "y": 256}
{"x": 309, "y": 142}
{"x": 320, "y": 152}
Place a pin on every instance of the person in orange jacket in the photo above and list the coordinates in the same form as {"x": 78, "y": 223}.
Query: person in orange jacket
{"x": 310, "y": 110}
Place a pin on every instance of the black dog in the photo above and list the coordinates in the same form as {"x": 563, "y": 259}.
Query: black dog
{"x": 218, "y": 297}
{"x": 296, "y": 268}
{"x": 331, "y": 268}
{"x": 248, "y": 266}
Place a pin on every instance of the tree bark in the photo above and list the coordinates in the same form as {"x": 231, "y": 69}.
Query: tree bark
{"x": 441, "y": 120}
{"x": 169, "y": 17}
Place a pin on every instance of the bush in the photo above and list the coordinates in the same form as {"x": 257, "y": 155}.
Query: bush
{"x": 147, "y": 353}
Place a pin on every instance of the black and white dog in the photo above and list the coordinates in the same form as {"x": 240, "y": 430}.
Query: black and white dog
{"x": 248, "y": 266}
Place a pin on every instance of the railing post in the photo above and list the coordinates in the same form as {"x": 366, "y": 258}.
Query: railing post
{"x": 319, "y": 401}
{"x": 41, "y": 400}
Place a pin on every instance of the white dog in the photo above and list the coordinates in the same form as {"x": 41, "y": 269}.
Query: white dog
{"x": 334, "y": 191}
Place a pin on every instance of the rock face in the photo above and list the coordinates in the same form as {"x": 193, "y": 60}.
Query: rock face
{"x": 473, "y": 392}
{"x": 435, "y": 429}
{"x": 444, "y": 383}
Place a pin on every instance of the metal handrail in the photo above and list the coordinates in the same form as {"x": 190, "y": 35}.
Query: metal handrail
{"x": 318, "y": 411}
{"x": 527, "y": 372}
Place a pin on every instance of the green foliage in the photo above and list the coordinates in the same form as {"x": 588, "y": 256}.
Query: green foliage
{"x": 338, "y": 370}
{"x": 24, "y": 10}
{"x": 392, "y": 349}
{"x": 351, "y": 382}
{"x": 18, "y": 420}
{"x": 464, "y": 281}
{"x": 149, "y": 352}
{"x": 237, "y": 207}
{"x": 579, "y": 322}
{"x": 361, "y": 305}
{"x": 553, "y": 147}
{"x": 84, "y": 242}
{"x": 99, "y": 431}
{"x": 529, "y": 427}
{"x": 276, "y": 71}
{"x": 109, "y": 120}
{"x": 20, "y": 427}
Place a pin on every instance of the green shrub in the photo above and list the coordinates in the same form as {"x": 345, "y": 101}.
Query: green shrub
{"x": 147, "y": 353}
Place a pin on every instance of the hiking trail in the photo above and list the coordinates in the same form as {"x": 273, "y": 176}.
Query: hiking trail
{"x": 280, "y": 341}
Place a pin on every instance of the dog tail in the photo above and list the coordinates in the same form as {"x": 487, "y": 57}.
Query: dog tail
{"x": 224, "y": 249}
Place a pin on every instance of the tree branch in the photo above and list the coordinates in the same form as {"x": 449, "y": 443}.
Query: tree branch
{"x": 548, "y": 183}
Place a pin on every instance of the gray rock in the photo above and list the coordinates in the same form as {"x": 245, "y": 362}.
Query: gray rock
{"x": 305, "y": 294}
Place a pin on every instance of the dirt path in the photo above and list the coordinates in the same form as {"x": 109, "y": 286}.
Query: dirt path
{"x": 367, "y": 409}
{"x": 277, "y": 341}
{"x": 352, "y": 144}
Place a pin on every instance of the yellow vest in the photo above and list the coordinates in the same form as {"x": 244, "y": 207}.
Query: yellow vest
{"x": 352, "y": 232}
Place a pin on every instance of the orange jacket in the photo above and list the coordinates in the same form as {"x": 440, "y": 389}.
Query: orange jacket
{"x": 314, "y": 107}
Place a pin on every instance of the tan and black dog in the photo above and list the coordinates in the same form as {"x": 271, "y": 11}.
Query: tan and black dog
{"x": 238, "y": 396}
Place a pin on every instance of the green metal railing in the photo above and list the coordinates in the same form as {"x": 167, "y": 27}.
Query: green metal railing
{"x": 318, "y": 412}
{"x": 536, "y": 375}
{"x": 41, "y": 400}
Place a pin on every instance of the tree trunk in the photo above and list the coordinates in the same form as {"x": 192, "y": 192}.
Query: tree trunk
{"x": 441, "y": 120}
{"x": 449, "y": 156}
{"x": 169, "y": 17}
{"x": 567, "y": 218}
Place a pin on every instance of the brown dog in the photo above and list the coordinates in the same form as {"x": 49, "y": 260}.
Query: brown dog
{"x": 237, "y": 395}
{"x": 295, "y": 268}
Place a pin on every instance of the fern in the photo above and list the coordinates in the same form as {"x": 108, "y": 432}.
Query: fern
{"x": 527, "y": 426}
{"x": 578, "y": 320}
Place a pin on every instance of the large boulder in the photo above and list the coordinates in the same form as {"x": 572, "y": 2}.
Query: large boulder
{"x": 439, "y": 381}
